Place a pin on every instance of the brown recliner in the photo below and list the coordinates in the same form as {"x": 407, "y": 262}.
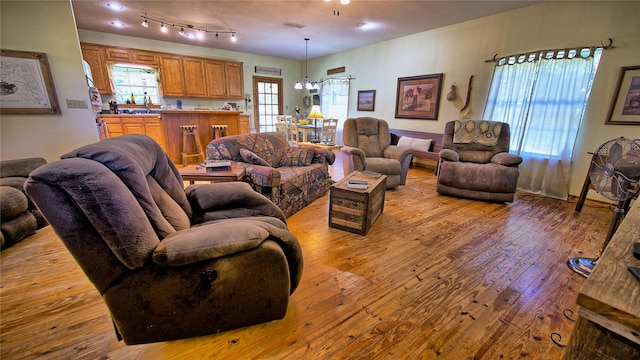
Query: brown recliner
{"x": 367, "y": 146}
{"x": 476, "y": 162}
{"x": 169, "y": 262}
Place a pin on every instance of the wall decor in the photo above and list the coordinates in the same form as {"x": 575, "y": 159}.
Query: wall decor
{"x": 418, "y": 97}
{"x": 26, "y": 84}
{"x": 625, "y": 105}
{"x": 366, "y": 100}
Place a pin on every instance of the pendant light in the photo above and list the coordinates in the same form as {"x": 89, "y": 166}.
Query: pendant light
{"x": 306, "y": 83}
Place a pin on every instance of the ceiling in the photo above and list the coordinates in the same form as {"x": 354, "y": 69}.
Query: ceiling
{"x": 261, "y": 28}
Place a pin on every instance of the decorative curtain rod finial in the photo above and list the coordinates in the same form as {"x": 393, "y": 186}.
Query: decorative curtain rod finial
{"x": 607, "y": 46}
{"x": 492, "y": 60}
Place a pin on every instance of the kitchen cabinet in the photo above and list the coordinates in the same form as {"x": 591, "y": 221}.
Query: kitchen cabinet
{"x": 244, "y": 126}
{"x": 122, "y": 124}
{"x": 234, "y": 76}
{"x": 172, "y": 75}
{"x": 215, "y": 78}
{"x": 194, "y": 77}
{"x": 142, "y": 57}
{"x": 118, "y": 55}
{"x": 94, "y": 56}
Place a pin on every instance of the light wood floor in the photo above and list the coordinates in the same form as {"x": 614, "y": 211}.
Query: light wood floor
{"x": 436, "y": 277}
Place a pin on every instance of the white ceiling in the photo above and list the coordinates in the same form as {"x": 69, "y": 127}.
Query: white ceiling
{"x": 260, "y": 25}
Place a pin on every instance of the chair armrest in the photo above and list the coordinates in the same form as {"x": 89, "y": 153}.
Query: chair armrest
{"x": 353, "y": 151}
{"x": 229, "y": 200}
{"x": 506, "y": 159}
{"x": 397, "y": 152}
{"x": 449, "y": 155}
{"x": 262, "y": 175}
{"x": 321, "y": 156}
{"x": 217, "y": 239}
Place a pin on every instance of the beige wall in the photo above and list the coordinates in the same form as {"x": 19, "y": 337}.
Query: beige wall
{"x": 459, "y": 51}
{"x": 49, "y": 27}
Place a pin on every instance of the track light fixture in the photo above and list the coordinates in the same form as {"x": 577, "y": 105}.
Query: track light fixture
{"x": 198, "y": 33}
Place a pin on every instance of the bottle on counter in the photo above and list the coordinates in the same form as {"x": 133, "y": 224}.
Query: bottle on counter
{"x": 133, "y": 99}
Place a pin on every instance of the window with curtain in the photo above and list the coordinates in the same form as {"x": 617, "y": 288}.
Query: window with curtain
{"x": 334, "y": 102}
{"x": 542, "y": 95}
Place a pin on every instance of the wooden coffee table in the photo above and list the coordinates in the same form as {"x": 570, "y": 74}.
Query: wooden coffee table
{"x": 355, "y": 210}
{"x": 193, "y": 173}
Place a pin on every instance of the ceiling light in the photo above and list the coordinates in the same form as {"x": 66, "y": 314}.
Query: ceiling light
{"x": 306, "y": 83}
{"x": 117, "y": 24}
{"x": 114, "y": 6}
{"x": 195, "y": 33}
{"x": 345, "y": 2}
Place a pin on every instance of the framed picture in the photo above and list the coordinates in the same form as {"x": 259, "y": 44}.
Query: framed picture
{"x": 625, "y": 105}
{"x": 418, "y": 97}
{"x": 366, "y": 100}
{"x": 26, "y": 84}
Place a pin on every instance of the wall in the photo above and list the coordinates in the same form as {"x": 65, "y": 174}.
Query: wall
{"x": 46, "y": 136}
{"x": 459, "y": 51}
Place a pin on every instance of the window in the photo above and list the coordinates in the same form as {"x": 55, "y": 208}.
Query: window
{"x": 136, "y": 80}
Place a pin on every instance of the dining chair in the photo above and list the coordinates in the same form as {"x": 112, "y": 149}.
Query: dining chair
{"x": 329, "y": 130}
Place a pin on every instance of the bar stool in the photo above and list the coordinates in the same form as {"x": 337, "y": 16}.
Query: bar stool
{"x": 191, "y": 144}
{"x": 220, "y": 131}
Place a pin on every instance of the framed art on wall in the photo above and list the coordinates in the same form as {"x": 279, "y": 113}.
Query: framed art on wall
{"x": 625, "y": 105}
{"x": 418, "y": 97}
{"x": 366, "y": 100}
{"x": 26, "y": 84}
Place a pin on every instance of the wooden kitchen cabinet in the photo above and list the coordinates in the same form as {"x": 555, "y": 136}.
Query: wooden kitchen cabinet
{"x": 94, "y": 56}
{"x": 142, "y": 57}
{"x": 118, "y": 55}
{"x": 215, "y": 78}
{"x": 122, "y": 124}
{"x": 172, "y": 75}
{"x": 234, "y": 76}
{"x": 194, "y": 77}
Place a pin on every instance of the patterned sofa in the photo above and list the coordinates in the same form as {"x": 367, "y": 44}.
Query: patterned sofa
{"x": 291, "y": 177}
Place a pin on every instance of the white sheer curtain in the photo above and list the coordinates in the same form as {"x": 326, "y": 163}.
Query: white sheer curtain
{"x": 542, "y": 96}
{"x": 334, "y": 102}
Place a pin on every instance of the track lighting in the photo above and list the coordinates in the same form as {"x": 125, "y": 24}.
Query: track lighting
{"x": 191, "y": 32}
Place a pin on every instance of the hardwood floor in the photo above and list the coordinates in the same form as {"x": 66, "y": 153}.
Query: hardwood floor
{"x": 435, "y": 278}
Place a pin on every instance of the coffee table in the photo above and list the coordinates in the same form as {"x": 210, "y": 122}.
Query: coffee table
{"x": 355, "y": 210}
{"x": 193, "y": 173}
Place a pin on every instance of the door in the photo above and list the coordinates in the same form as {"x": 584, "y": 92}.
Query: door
{"x": 267, "y": 93}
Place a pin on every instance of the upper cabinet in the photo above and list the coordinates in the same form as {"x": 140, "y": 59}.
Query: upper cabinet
{"x": 172, "y": 75}
{"x": 235, "y": 80}
{"x": 94, "y": 56}
{"x": 180, "y": 76}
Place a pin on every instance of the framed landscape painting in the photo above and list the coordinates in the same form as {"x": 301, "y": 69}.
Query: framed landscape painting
{"x": 418, "y": 97}
{"x": 366, "y": 100}
{"x": 625, "y": 105}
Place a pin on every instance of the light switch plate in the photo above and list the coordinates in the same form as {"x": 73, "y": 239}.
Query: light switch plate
{"x": 76, "y": 104}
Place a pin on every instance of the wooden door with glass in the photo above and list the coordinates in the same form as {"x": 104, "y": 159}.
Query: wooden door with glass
{"x": 267, "y": 93}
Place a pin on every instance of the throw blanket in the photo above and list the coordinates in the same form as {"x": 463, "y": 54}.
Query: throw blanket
{"x": 476, "y": 131}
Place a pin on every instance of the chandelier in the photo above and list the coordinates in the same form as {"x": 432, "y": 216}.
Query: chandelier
{"x": 306, "y": 83}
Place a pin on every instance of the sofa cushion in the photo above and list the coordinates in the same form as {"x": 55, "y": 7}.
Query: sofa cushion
{"x": 252, "y": 158}
{"x": 13, "y": 202}
{"x": 297, "y": 156}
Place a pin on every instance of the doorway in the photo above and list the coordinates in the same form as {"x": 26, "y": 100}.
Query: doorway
{"x": 268, "y": 105}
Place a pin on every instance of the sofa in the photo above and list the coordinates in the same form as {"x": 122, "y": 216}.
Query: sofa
{"x": 20, "y": 217}
{"x": 475, "y": 161}
{"x": 291, "y": 177}
{"x": 367, "y": 146}
{"x": 169, "y": 262}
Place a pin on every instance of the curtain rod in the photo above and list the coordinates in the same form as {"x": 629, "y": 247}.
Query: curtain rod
{"x": 602, "y": 45}
{"x": 339, "y": 78}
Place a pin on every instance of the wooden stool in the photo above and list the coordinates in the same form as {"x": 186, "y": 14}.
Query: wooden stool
{"x": 191, "y": 144}
{"x": 220, "y": 131}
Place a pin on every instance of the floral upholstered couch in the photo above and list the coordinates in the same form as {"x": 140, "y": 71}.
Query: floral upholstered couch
{"x": 291, "y": 177}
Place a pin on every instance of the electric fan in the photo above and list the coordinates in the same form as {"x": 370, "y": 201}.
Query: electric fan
{"x": 614, "y": 174}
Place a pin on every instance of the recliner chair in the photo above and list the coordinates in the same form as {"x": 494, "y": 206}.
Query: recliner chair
{"x": 368, "y": 147}
{"x": 475, "y": 161}
{"x": 169, "y": 262}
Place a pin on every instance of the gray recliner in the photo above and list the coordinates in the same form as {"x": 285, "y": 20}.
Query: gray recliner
{"x": 367, "y": 146}
{"x": 475, "y": 161}
{"x": 169, "y": 262}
